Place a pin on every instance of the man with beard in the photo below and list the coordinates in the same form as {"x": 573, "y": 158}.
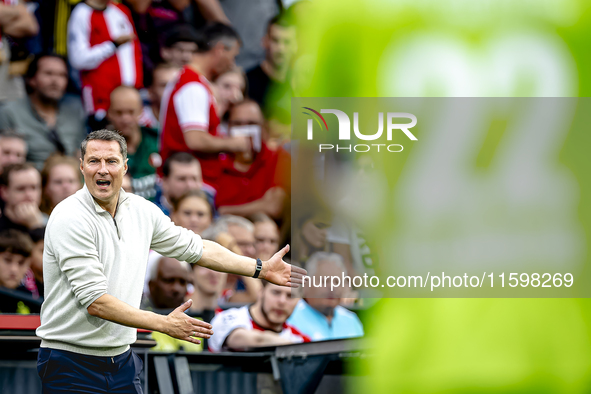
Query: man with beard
{"x": 319, "y": 314}
{"x": 49, "y": 121}
{"x": 258, "y": 325}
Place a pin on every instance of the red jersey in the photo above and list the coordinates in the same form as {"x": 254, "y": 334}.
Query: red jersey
{"x": 224, "y": 323}
{"x": 91, "y": 50}
{"x": 267, "y": 170}
{"x": 188, "y": 104}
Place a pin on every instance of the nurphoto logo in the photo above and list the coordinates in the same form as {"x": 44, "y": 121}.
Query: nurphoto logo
{"x": 344, "y": 131}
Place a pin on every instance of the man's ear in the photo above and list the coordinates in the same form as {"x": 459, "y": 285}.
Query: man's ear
{"x": 3, "y": 192}
{"x": 126, "y": 167}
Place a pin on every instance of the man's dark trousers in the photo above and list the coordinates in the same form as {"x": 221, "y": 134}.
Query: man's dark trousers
{"x": 66, "y": 372}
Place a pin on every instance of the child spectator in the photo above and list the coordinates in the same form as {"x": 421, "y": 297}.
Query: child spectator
{"x": 33, "y": 280}
{"x": 15, "y": 249}
{"x": 192, "y": 211}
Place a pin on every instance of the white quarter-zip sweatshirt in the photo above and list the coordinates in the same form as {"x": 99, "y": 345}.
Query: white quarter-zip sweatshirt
{"x": 89, "y": 253}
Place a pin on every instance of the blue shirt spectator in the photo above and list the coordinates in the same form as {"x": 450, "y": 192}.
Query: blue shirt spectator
{"x": 319, "y": 314}
{"x": 343, "y": 324}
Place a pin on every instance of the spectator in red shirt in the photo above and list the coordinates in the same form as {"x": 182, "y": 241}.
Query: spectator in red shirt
{"x": 252, "y": 181}
{"x": 189, "y": 118}
{"x": 102, "y": 44}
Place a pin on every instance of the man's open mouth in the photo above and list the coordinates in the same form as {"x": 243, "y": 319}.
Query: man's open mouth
{"x": 101, "y": 182}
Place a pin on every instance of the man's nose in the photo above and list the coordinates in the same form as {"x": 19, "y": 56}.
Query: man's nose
{"x": 179, "y": 288}
{"x": 283, "y": 299}
{"x": 103, "y": 168}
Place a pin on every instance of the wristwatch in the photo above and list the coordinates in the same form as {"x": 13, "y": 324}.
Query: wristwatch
{"x": 258, "y": 268}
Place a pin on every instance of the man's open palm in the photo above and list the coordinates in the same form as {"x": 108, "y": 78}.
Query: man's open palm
{"x": 277, "y": 271}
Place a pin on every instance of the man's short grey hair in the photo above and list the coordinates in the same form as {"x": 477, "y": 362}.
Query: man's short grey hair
{"x": 233, "y": 220}
{"x": 221, "y": 226}
{"x": 153, "y": 274}
{"x": 318, "y": 258}
{"x": 105, "y": 135}
{"x": 211, "y": 233}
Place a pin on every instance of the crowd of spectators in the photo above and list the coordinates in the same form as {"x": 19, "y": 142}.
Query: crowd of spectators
{"x": 206, "y": 143}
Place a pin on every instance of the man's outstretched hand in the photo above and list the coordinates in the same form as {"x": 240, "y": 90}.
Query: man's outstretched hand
{"x": 277, "y": 271}
{"x": 182, "y": 326}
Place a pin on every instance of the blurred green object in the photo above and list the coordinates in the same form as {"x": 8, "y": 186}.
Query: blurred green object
{"x": 462, "y": 48}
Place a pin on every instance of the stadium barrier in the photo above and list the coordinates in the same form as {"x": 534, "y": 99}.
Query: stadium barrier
{"x": 290, "y": 369}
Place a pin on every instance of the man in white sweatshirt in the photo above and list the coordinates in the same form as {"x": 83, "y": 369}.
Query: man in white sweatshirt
{"x": 96, "y": 249}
